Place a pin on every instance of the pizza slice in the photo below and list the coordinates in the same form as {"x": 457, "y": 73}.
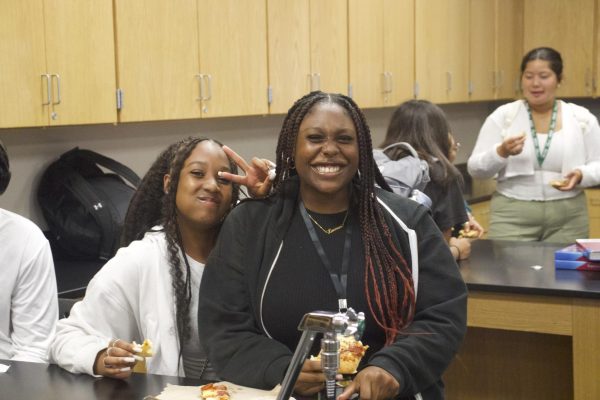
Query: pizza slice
{"x": 351, "y": 352}
{"x": 214, "y": 392}
{"x": 144, "y": 349}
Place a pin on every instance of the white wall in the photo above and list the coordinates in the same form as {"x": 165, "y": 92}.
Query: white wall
{"x": 136, "y": 145}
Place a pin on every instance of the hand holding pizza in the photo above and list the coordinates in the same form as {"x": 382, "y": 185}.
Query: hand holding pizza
{"x": 372, "y": 383}
{"x": 117, "y": 360}
{"x": 311, "y": 379}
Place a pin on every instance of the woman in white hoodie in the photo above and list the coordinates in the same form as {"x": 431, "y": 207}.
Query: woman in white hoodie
{"x": 543, "y": 152}
{"x": 149, "y": 289}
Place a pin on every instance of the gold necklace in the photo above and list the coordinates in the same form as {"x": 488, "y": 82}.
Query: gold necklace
{"x": 329, "y": 231}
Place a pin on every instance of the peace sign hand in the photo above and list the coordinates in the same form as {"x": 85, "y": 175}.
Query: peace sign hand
{"x": 258, "y": 176}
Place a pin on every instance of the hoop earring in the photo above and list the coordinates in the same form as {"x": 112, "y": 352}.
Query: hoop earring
{"x": 290, "y": 162}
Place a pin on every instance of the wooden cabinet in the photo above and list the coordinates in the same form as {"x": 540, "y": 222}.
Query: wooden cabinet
{"x": 233, "y": 57}
{"x": 482, "y": 40}
{"x": 58, "y": 63}
{"x": 308, "y": 49}
{"x": 481, "y": 212}
{"x": 509, "y": 48}
{"x": 442, "y": 50}
{"x": 593, "y": 204}
{"x": 381, "y": 51}
{"x": 496, "y": 28}
{"x": 596, "y": 78}
{"x": 568, "y": 27}
{"x": 190, "y": 58}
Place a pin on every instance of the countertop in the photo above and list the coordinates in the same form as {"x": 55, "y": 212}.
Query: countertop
{"x": 524, "y": 267}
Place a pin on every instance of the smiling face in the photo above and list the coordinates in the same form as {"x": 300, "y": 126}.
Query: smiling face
{"x": 539, "y": 83}
{"x": 203, "y": 198}
{"x": 326, "y": 157}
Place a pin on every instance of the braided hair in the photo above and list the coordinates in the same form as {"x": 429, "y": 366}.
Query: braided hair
{"x": 143, "y": 214}
{"x": 385, "y": 268}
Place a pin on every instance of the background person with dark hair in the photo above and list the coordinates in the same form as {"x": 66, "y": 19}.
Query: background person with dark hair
{"x": 149, "y": 289}
{"x": 424, "y": 126}
{"x": 28, "y": 298}
{"x": 390, "y": 261}
{"x": 543, "y": 152}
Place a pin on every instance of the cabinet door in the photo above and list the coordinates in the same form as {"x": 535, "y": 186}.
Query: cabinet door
{"x": 23, "y": 63}
{"x": 481, "y": 213}
{"x": 593, "y": 205}
{"x": 289, "y": 54}
{"x": 233, "y": 56}
{"x": 457, "y": 34}
{"x": 568, "y": 27}
{"x": 398, "y": 50}
{"x": 441, "y": 45}
{"x": 365, "y": 39}
{"x": 483, "y": 77}
{"x": 329, "y": 45}
{"x": 596, "y": 76}
{"x": 80, "y": 51}
{"x": 509, "y": 47}
{"x": 157, "y": 59}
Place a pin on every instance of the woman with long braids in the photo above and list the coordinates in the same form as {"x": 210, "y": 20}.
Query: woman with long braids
{"x": 326, "y": 236}
{"x": 149, "y": 290}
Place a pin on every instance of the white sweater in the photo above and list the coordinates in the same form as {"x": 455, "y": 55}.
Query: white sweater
{"x": 581, "y": 144}
{"x": 130, "y": 298}
{"x": 28, "y": 299}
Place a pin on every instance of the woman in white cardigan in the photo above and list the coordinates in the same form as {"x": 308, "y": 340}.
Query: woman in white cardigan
{"x": 149, "y": 289}
{"x": 543, "y": 152}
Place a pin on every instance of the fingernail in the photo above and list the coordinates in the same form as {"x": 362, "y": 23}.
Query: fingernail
{"x": 137, "y": 348}
{"x": 272, "y": 174}
{"x": 125, "y": 369}
{"x": 138, "y": 358}
{"x": 219, "y": 173}
{"x": 339, "y": 377}
{"x": 129, "y": 359}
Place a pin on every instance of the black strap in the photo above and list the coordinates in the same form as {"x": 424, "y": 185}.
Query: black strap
{"x": 340, "y": 282}
{"x": 106, "y": 162}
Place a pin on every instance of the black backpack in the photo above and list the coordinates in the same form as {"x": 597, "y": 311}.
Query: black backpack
{"x": 84, "y": 206}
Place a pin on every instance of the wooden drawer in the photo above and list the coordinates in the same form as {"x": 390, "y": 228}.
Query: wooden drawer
{"x": 595, "y": 227}
{"x": 593, "y": 202}
{"x": 481, "y": 212}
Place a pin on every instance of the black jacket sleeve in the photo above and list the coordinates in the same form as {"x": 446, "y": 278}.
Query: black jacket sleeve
{"x": 421, "y": 353}
{"x": 227, "y": 319}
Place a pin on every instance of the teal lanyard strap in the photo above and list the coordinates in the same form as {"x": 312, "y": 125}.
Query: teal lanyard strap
{"x": 541, "y": 156}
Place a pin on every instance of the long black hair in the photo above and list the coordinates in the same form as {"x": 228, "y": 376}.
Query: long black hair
{"x": 385, "y": 268}
{"x": 152, "y": 205}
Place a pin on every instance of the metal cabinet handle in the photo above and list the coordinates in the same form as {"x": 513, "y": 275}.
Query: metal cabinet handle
{"x": 588, "y": 81}
{"x": 48, "y": 88}
{"x": 387, "y": 78}
{"x": 387, "y": 82}
{"x": 58, "y": 99}
{"x": 200, "y": 88}
{"x": 209, "y": 84}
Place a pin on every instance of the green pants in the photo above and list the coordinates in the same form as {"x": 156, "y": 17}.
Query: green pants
{"x": 557, "y": 221}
